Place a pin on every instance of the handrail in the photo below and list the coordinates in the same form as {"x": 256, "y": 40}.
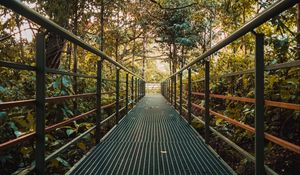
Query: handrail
{"x": 34, "y": 16}
{"x": 65, "y": 146}
{"x": 25, "y": 137}
{"x": 252, "y": 100}
{"x": 258, "y": 20}
{"x": 11, "y": 104}
{"x": 295, "y": 63}
{"x": 278, "y": 141}
{"x": 288, "y": 145}
{"x": 232, "y": 144}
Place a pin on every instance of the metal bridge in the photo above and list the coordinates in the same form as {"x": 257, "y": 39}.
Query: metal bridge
{"x": 152, "y": 139}
{"x": 152, "y": 133}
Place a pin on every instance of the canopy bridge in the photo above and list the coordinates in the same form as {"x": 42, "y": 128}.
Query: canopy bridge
{"x": 152, "y": 133}
{"x": 152, "y": 139}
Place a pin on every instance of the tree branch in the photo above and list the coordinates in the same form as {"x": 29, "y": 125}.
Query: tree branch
{"x": 175, "y": 8}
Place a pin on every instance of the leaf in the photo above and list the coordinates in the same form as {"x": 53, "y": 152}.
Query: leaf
{"x": 56, "y": 84}
{"x": 62, "y": 161}
{"x": 293, "y": 81}
{"x": 3, "y": 115}
{"x": 18, "y": 133}
{"x": 26, "y": 150}
{"x": 54, "y": 163}
{"x": 2, "y": 89}
{"x": 57, "y": 142}
{"x": 26, "y": 123}
{"x": 65, "y": 81}
{"x": 82, "y": 146}
{"x": 70, "y": 132}
{"x": 218, "y": 121}
{"x": 30, "y": 120}
{"x": 85, "y": 125}
{"x": 13, "y": 126}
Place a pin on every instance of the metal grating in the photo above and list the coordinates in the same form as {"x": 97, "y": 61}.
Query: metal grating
{"x": 152, "y": 139}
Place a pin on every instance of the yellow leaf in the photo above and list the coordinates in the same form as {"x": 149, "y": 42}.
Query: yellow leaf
{"x": 54, "y": 163}
{"x": 82, "y": 146}
{"x": 21, "y": 121}
{"x": 26, "y": 150}
{"x": 30, "y": 120}
{"x": 218, "y": 121}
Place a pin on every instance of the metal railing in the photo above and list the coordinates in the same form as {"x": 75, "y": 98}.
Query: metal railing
{"x": 169, "y": 88}
{"x": 136, "y": 85}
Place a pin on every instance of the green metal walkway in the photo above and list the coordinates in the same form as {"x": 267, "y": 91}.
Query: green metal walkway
{"x": 152, "y": 139}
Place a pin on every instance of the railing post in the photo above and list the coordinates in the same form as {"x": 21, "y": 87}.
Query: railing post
{"x": 175, "y": 96}
{"x": 40, "y": 104}
{"x": 143, "y": 88}
{"x": 180, "y": 93}
{"x": 259, "y": 105}
{"x": 163, "y": 88}
{"x": 136, "y": 86}
{"x": 143, "y": 83}
{"x": 171, "y": 90}
{"x": 132, "y": 91}
{"x": 126, "y": 105}
{"x": 189, "y": 95}
{"x": 167, "y": 93}
{"x": 138, "y": 89}
{"x": 166, "y": 89}
{"x": 117, "y": 93}
{"x": 207, "y": 116}
{"x": 98, "y": 101}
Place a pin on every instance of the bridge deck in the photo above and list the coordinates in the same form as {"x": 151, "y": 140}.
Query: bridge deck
{"x": 152, "y": 139}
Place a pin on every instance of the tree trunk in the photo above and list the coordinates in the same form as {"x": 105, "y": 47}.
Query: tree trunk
{"x": 54, "y": 48}
{"x": 102, "y": 25}
{"x": 18, "y": 20}
{"x": 174, "y": 58}
{"x": 298, "y": 31}
{"x": 182, "y": 61}
{"x": 170, "y": 59}
{"x": 75, "y": 65}
{"x": 144, "y": 53}
{"x": 117, "y": 37}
